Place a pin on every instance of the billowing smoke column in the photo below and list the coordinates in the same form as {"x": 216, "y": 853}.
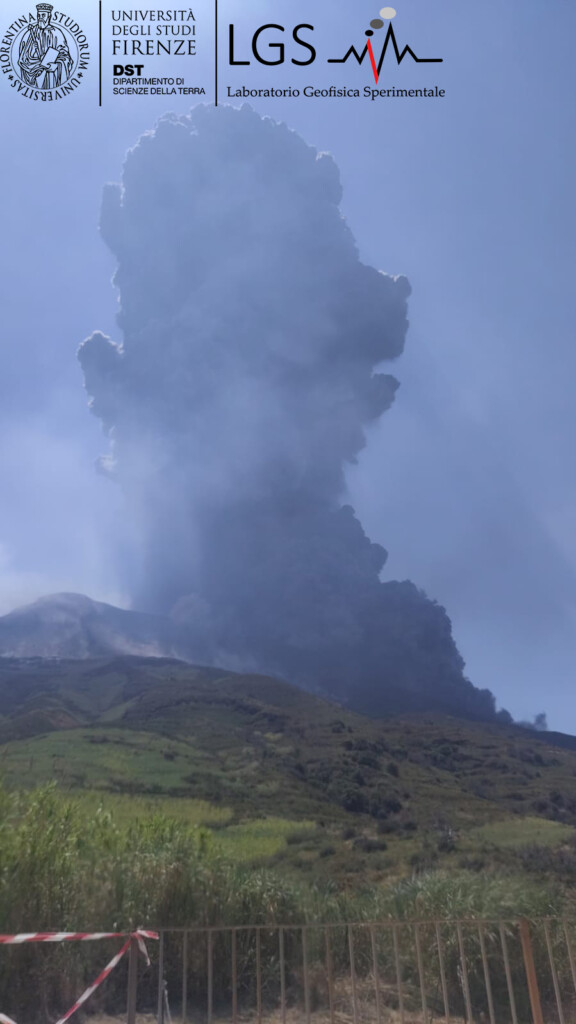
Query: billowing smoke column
{"x": 242, "y": 389}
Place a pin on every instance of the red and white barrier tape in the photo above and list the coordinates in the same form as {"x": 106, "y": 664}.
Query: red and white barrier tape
{"x": 140, "y": 935}
{"x": 101, "y": 977}
{"x": 71, "y": 936}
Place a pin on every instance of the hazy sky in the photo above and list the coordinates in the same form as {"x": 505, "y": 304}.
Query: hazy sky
{"x": 468, "y": 481}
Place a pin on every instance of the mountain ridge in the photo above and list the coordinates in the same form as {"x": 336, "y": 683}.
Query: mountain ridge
{"x": 414, "y": 676}
{"x": 71, "y": 625}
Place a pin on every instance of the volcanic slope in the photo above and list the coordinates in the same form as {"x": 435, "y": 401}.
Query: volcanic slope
{"x": 75, "y": 626}
{"x": 260, "y": 746}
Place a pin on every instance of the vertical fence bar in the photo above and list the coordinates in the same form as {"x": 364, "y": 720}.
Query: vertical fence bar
{"x": 442, "y": 970}
{"x": 508, "y": 973}
{"x": 329, "y": 974}
{"x": 305, "y": 968}
{"x": 570, "y": 953}
{"x": 258, "y": 978}
{"x": 210, "y": 993}
{"x": 234, "y": 979}
{"x": 352, "y": 974}
{"x": 530, "y": 969}
{"x": 420, "y": 971}
{"x": 376, "y": 971}
{"x": 398, "y": 973}
{"x": 464, "y": 970}
{"x": 160, "y": 1015}
{"x": 554, "y": 973}
{"x": 486, "y": 970}
{"x": 132, "y": 982}
{"x": 185, "y": 977}
{"x": 282, "y": 977}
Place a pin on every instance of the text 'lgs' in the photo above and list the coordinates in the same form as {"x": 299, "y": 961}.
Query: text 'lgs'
{"x": 269, "y": 49}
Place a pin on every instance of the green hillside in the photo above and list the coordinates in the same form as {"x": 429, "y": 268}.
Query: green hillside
{"x": 280, "y": 775}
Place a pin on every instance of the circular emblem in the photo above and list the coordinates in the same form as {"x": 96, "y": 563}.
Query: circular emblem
{"x": 44, "y": 57}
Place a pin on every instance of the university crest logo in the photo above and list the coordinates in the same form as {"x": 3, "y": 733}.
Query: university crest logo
{"x": 44, "y": 56}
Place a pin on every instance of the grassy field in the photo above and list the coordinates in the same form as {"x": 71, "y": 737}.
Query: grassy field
{"x": 127, "y": 809}
{"x": 513, "y": 833}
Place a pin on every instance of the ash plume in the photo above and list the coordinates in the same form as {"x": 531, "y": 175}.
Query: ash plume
{"x": 242, "y": 389}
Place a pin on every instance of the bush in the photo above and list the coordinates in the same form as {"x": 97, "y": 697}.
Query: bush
{"x": 368, "y": 845}
{"x": 460, "y": 894}
{"x": 299, "y": 835}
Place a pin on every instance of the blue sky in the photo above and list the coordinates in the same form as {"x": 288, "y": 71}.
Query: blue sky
{"x": 469, "y": 480}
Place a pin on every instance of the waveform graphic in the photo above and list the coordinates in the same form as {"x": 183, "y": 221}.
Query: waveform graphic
{"x": 377, "y": 67}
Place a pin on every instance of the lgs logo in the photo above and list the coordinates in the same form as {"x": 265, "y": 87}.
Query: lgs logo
{"x": 269, "y": 46}
{"x": 272, "y": 51}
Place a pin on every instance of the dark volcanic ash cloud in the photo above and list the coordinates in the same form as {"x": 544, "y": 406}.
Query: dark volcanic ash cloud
{"x": 247, "y": 375}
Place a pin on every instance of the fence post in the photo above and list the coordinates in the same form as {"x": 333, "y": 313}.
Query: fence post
{"x": 132, "y": 981}
{"x": 530, "y": 968}
{"x": 161, "y": 996}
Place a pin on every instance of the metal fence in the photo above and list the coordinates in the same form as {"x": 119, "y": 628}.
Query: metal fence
{"x": 402, "y": 972}
{"x": 382, "y": 972}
